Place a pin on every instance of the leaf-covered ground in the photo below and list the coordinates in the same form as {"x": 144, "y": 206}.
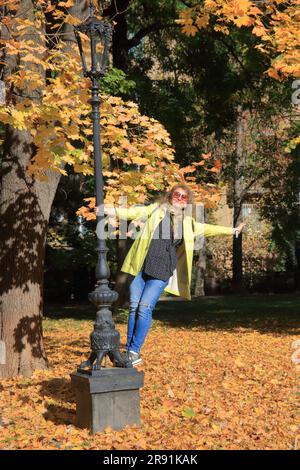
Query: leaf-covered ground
{"x": 218, "y": 375}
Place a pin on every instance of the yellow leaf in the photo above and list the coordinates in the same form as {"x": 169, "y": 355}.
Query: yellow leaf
{"x": 140, "y": 161}
{"x": 69, "y": 146}
{"x": 190, "y": 30}
{"x": 259, "y": 30}
{"x": 72, "y": 20}
{"x": 221, "y": 29}
{"x": 239, "y": 363}
{"x": 19, "y": 118}
{"x": 243, "y": 21}
{"x": 68, "y": 159}
{"x": 202, "y": 21}
{"x": 242, "y": 7}
{"x": 215, "y": 427}
{"x": 67, "y": 4}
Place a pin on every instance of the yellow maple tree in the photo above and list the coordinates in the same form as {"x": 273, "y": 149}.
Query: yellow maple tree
{"x": 275, "y": 23}
{"x": 134, "y": 146}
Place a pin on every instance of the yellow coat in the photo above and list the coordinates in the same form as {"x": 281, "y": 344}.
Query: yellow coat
{"x": 180, "y": 282}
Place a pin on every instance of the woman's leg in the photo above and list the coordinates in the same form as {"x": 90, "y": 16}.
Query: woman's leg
{"x": 136, "y": 289}
{"x": 151, "y": 293}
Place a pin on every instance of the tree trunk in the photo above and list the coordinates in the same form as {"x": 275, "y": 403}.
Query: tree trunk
{"x": 122, "y": 279}
{"x": 117, "y": 11}
{"x": 25, "y": 208}
{"x": 297, "y": 268}
{"x": 25, "y": 205}
{"x": 238, "y": 197}
{"x": 200, "y": 272}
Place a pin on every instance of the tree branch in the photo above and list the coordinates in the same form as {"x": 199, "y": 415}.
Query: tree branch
{"x": 232, "y": 51}
{"x": 117, "y": 7}
{"x": 187, "y": 4}
{"x": 147, "y": 30}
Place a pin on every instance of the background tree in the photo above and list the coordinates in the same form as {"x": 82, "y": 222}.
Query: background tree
{"x": 47, "y": 129}
{"x": 201, "y": 101}
{"x": 273, "y": 48}
{"x": 47, "y": 132}
{"x": 25, "y": 202}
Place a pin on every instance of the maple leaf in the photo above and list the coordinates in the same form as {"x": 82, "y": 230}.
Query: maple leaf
{"x": 202, "y": 21}
{"x": 190, "y": 30}
{"x": 67, "y": 4}
{"x": 231, "y": 411}
{"x": 259, "y": 31}
{"x": 206, "y": 155}
{"x": 188, "y": 413}
{"x": 243, "y": 21}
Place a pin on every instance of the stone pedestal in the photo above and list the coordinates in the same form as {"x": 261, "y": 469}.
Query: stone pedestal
{"x": 108, "y": 397}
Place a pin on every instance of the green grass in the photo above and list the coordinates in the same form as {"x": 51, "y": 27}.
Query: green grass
{"x": 279, "y": 313}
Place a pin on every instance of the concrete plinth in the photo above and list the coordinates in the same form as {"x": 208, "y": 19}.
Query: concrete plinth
{"x": 108, "y": 397}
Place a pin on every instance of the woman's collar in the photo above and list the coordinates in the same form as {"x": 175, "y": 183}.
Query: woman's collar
{"x": 174, "y": 210}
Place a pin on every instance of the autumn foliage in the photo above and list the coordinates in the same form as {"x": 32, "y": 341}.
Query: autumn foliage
{"x": 137, "y": 151}
{"x": 213, "y": 380}
{"x": 275, "y": 23}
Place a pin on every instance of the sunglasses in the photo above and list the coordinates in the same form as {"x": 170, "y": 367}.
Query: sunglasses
{"x": 180, "y": 196}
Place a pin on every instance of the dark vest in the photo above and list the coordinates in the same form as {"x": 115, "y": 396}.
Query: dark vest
{"x": 161, "y": 257}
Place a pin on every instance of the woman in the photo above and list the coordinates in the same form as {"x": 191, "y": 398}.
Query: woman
{"x": 160, "y": 259}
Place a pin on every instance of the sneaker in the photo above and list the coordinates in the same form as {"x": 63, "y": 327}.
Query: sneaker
{"x": 134, "y": 358}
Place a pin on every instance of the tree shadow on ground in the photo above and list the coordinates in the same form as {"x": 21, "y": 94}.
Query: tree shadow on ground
{"x": 60, "y": 390}
{"x": 79, "y": 311}
{"x": 276, "y": 313}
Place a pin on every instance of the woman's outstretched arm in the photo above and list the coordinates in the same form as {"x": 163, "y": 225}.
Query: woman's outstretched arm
{"x": 129, "y": 213}
{"x": 209, "y": 230}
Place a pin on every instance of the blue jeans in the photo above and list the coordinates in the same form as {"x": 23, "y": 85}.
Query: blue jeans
{"x": 144, "y": 293}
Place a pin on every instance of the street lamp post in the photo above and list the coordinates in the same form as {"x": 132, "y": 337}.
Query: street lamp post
{"x": 105, "y": 396}
{"x": 105, "y": 339}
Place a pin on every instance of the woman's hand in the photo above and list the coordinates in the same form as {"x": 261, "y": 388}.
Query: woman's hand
{"x": 237, "y": 230}
{"x": 111, "y": 211}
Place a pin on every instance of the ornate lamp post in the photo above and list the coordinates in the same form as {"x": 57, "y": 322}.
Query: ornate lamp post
{"x": 105, "y": 339}
{"x": 104, "y": 396}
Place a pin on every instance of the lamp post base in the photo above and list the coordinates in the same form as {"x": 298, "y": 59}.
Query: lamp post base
{"x": 107, "y": 397}
{"x": 114, "y": 355}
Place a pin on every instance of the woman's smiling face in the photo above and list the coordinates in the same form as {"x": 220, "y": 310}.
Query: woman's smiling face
{"x": 180, "y": 198}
